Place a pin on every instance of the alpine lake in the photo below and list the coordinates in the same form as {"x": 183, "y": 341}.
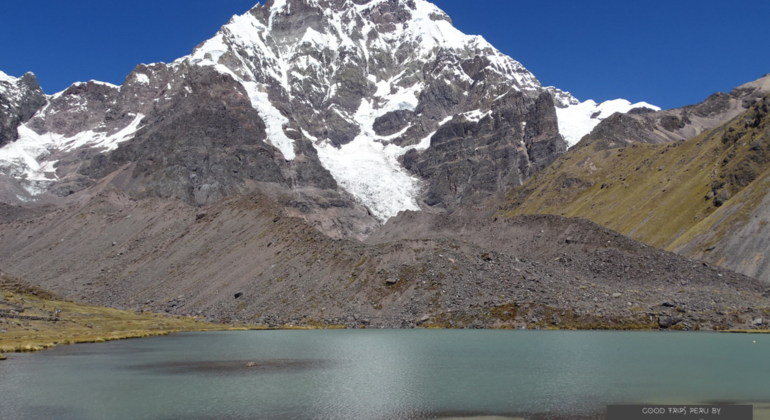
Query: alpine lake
{"x": 385, "y": 374}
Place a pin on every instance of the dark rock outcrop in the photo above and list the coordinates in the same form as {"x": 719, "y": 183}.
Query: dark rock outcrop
{"x": 20, "y": 99}
{"x": 471, "y": 160}
{"x": 81, "y": 107}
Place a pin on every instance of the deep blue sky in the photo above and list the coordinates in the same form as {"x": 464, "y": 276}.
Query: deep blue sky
{"x": 666, "y": 52}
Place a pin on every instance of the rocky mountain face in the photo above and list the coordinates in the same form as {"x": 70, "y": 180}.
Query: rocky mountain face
{"x": 20, "y": 99}
{"x": 478, "y": 154}
{"x": 346, "y": 111}
{"x": 700, "y": 197}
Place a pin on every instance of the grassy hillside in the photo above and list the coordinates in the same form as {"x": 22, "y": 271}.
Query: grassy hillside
{"x": 656, "y": 193}
{"x": 737, "y": 235}
{"x": 33, "y": 319}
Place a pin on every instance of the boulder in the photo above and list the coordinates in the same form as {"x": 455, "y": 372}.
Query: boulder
{"x": 669, "y": 321}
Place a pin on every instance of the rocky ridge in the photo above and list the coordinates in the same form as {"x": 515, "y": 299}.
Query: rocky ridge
{"x": 680, "y": 123}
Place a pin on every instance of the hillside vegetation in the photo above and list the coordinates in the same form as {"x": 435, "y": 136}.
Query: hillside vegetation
{"x": 32, "y": 319}
{"x": 661, "y": 194}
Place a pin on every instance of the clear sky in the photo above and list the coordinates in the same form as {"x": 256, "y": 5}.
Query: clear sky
{"x": 666, "y": 52}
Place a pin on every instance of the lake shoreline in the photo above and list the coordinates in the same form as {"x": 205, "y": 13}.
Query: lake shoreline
{"x": 35, "y": 345}
{"x": 34, "y": 319}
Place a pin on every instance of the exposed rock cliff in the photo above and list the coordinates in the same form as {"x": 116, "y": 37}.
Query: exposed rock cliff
{"x": 19, "y": 100}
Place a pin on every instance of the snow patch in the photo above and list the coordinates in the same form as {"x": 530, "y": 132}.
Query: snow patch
{"x": 320, "y": 40}
{"x": 274, "y": 120}
{"x": 575, "y": 121}
{"x": 475, "y": 115}
{"x": 6, "y": 78}
{"x": 403, "y": 99}
{"x": 110, "y": 85}
{"x": 25, "y": 159}
{"x": 395, "y": 136}
{"x": 142, "y": 79}
{"x": 9, "y": 86}
{"x": 211, "y": 50}
{"x": 370, "y": 171}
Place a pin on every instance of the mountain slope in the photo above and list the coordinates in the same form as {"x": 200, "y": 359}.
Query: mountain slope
{"x": 243, "y": 259}
{"x": 662, "y": 194}
{"x": 736, "y": 235}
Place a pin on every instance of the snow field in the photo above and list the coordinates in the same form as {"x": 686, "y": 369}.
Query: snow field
{"x": 576, "y": 121}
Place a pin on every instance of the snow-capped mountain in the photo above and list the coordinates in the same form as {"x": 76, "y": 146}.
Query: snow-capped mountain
{"x": 361, "y": 80}
{"x": 318, "y": 101}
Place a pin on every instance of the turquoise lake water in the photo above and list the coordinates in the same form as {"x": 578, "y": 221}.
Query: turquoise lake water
{"x": 384, "y": 374}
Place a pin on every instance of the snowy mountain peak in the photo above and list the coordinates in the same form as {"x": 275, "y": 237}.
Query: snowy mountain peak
{"x": 4, "y": 78}
{"x": 348, "y": 68}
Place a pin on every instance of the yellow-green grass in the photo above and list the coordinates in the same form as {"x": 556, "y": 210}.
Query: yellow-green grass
{"x": 312, "y": 327}
{"x": 724, "y": 220}
{"x": 82, "y": 323}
